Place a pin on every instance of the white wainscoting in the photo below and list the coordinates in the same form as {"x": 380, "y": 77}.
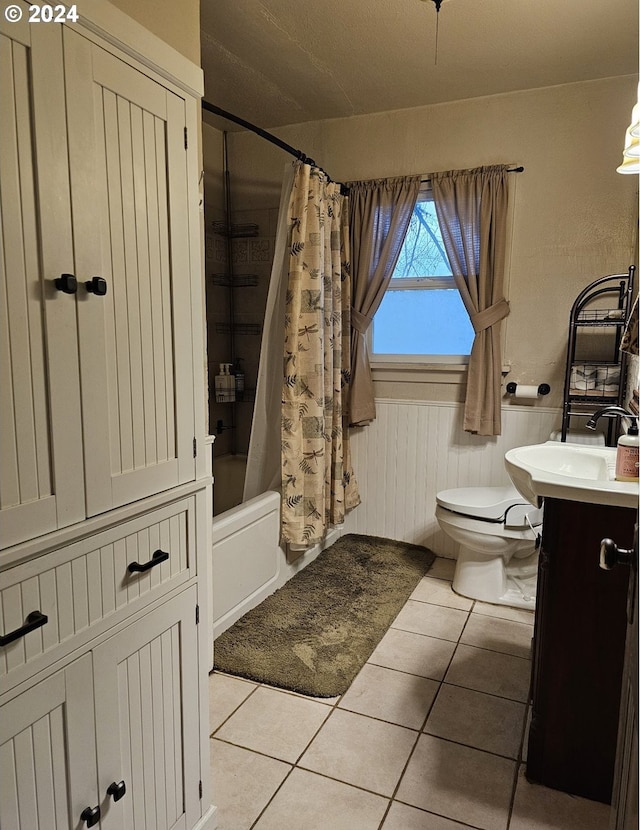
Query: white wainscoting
{"x": 414, "y": 449}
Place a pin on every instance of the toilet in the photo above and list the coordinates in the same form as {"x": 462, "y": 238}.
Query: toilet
{"x": 497, "y": 530}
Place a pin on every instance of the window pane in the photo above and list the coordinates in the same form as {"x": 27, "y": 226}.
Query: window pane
{"x": 423, "y": 253}
{"x": 425, "y": 322}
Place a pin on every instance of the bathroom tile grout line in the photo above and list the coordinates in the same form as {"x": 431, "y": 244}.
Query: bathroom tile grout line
{"x": 519, "y": 762}
{"x": 418, "y": 730}
{"x": 413, "y": 749}
{"x": 295, "y": 765}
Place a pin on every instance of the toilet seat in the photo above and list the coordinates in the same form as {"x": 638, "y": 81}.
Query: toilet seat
{"x": 497, "y": 534}
{"x": 490, "y": 504}
{"x": 482, "y": 527}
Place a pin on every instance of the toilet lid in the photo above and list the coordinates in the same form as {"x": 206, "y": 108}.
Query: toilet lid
{"x": 481, "y": 502}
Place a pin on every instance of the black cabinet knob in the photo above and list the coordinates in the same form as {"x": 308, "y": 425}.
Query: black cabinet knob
{"x": 117, "y": 790}
{"x": 90, "y": 815}
{"x": 97, "y": 286}
{"x": 67, "y": 283}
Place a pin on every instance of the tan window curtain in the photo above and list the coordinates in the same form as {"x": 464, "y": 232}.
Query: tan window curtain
{"x": 472, "y": 212}
{"x": 379, "y": 215}
{"x": 318, "y": 484}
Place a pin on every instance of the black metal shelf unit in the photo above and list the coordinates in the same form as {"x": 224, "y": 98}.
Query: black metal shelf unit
{"x": 595, "y": 371}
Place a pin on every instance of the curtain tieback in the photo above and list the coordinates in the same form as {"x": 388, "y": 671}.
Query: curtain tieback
{"x": 359, "y": 321}
{"x": 486, "y": 318}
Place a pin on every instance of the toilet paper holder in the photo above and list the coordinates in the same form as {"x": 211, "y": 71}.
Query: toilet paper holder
{"x": 543, "y": 388}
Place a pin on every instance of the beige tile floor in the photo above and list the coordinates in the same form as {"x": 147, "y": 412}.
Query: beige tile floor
{"x": 429, "y": 736}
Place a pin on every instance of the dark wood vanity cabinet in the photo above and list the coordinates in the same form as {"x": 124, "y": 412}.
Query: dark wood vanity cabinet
{"x": 578, "y": 651}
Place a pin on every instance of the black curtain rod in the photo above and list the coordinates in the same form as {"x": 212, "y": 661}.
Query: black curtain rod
{"x": 269, "y": 137}
{"x": 513, "y": 170}
{"x": 262, "y": 133}
{"x": 287, "y": 147}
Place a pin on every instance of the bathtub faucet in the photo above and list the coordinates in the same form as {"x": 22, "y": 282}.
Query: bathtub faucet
{"x": 619, "y": 410}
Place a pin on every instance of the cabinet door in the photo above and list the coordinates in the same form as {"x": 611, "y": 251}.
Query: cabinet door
{"x": 47, "y": 753}
{"x": 131, "y": 226}
{"x": 41, "y": 476}
{"x": 147, "y": 715}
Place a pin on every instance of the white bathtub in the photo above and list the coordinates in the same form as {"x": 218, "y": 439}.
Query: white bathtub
{"x": 248, "y": 561}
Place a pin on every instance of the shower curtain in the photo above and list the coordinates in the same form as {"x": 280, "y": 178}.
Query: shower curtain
{"x": 305, "y": 361}
{"x": 263, "y": 458}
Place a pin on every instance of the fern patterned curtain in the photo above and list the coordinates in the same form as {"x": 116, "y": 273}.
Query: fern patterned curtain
{"x": 472, "y": 213}
{"x": 318, "y": 485}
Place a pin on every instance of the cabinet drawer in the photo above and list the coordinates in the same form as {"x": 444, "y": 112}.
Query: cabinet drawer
{"x": 85, "y": 587}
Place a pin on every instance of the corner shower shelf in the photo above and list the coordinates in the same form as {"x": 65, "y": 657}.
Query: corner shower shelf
{"x": 235, "y": 281}
{"x": 238, "y": 231}
{"x": 239, "y": 328}
{"x": 594, "y": 382}
{"x": 248, "y": 396}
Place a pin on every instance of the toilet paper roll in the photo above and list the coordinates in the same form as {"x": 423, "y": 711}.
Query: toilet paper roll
{"x": 523, "y": 391}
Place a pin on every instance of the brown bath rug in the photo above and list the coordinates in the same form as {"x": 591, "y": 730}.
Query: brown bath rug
{"x": 315, "y": 633}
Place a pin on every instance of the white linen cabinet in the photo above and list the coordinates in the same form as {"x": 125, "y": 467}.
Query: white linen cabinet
{"x": 105, "y": 491}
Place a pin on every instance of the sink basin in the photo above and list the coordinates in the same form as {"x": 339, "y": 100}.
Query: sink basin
{"x": 569, "y": 471}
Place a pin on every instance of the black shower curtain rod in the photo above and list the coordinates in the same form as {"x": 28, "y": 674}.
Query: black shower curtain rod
{"x": 262, "y": 133}
{"x": 269, "y": 137}
{"x": 287, "y": 147}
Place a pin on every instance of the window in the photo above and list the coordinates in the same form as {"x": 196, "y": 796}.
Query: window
{"x": 421, "y": 317}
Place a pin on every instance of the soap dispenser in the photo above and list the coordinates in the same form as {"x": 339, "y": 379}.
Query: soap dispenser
{"x": 627, "y": 454}
{"x": 225, "y": 385}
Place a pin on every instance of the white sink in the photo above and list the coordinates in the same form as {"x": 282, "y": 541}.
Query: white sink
{"x": 569, "y": 471}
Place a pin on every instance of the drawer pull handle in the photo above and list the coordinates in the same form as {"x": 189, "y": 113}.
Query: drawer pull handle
{"x": 34, "y": 620}
{"x": 117, "y": 790}
{"x": 158, "y": 557}
{"x": 90, "y": 815}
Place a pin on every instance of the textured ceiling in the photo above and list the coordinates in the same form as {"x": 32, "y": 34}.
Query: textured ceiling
{"x": 275, "y": 62}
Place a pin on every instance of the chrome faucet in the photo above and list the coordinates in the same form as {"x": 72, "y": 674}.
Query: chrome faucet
{"x": 619, "y": 410}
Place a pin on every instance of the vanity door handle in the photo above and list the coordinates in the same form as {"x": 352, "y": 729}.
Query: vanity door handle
{"x": 90, "y": 816}
{"x": 36, "y": 619}
{"x": 117, "y": 790}
{"x": 66, "y": 283}
{"x": 97, "y": 286}
{"x": 611, "y": 555}
{"x": 158, "y": 557}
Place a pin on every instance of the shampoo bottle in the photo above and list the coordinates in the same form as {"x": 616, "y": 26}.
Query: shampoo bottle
{"x": 627, "y": 454}
{"x": 239, "y": 378}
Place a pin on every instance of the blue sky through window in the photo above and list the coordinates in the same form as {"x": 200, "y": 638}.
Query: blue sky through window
{"x": 424, "y": 319}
